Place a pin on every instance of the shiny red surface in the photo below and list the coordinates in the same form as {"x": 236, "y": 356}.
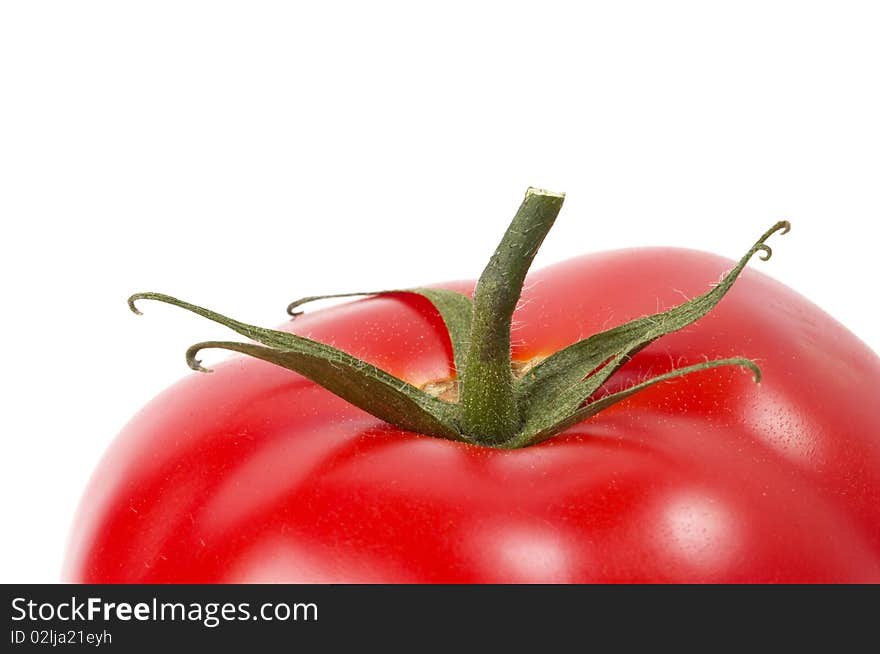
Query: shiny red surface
{"x": 253, "y": 473}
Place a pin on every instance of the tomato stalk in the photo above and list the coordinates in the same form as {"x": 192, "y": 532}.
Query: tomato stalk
{"x": 489, "y": 407}
{"x": 494, "y": 407}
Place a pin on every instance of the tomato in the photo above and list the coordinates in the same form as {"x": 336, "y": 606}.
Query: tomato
{"x": 255, "y": 474}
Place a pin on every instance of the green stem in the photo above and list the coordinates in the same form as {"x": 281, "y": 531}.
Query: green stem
{"x": 490, "y": 412}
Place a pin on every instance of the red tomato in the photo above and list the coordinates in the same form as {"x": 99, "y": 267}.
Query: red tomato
{"x": 254, "y": 473}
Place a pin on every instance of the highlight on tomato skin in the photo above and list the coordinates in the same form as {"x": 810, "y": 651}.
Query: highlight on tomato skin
{"x": 257, "y": 472}
{"x": 254, "y": 474}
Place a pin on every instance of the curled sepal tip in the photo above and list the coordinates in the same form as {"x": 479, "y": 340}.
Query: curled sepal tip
{"x": 191, "y": 354}
{"x": 782, "y": 227}
{"x": 133, "y": 299}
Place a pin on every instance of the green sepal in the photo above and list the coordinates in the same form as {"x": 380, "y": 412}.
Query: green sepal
{"x": 588, "y": 411}
{"x": 356, "y": 381}
{"x": 455, "y": 309}
{"x": 553, "y": 390}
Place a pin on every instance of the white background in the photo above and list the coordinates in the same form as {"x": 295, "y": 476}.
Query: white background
{"x": 242, "y": 154}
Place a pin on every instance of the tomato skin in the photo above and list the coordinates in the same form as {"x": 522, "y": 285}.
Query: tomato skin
{"x": 253, "y": 473}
